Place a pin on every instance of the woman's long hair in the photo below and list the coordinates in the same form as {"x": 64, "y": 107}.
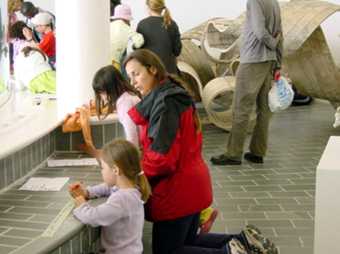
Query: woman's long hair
{"x": 159, "y": 7}
{"x": 126, "y": 157}
{"x": 149, "y": 59}
{"x": 110, "y": 81}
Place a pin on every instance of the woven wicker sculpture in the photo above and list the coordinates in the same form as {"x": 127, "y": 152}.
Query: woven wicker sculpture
{"x": 307, "y": 57}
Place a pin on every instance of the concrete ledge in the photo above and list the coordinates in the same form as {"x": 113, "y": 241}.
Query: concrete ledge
{"x": 23, "y": 121}
{"x": 25, "y": 215}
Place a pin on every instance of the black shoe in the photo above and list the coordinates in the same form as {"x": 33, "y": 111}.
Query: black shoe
{"x": 253, "y": 158}
{"x": 224, "y": 160}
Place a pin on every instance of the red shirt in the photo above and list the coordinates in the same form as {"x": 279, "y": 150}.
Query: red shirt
{"x": 47, "y": 44}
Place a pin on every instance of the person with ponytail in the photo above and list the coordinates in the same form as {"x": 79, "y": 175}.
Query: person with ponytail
{"x": 161, "y": 34}
{"x": 121, "y": 217}
{"x": 171, "y": 141}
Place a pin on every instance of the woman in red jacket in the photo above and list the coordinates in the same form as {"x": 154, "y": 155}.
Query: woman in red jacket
{"x": 171, "y": 142}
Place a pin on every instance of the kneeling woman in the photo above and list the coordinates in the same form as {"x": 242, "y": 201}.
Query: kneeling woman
{"x": 171, "y": 142}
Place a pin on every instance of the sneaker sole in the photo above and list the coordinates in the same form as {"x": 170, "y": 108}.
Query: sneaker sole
{"x": 257, "y": 242}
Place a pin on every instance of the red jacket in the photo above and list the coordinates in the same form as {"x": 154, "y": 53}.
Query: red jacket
{"x": 172, "y": 158}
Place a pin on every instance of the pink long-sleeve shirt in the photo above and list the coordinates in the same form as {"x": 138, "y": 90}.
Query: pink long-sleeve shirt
{"x": 121, "y": 218}
{"x": 125, "y": 102}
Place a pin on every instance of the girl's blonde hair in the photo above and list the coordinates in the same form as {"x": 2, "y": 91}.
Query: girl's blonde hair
{"x": 126, "y": 157}
{"x": 159, "y": 7}
{"x": 12, "y": 5}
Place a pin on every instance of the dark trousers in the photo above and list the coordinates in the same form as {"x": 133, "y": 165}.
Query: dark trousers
{"x": 180, "y": 236}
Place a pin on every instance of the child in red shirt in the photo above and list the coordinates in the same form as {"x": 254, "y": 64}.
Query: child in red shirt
{"x": 42, "y": 22}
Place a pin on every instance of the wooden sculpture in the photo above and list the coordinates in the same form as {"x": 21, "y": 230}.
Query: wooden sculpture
{"x": 307, "y": 57}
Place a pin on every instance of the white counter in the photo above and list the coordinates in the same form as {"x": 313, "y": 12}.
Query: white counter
{"x": 23, "y": 121}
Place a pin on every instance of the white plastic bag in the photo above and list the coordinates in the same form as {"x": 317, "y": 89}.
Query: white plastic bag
{"x": 280, "y": 95}
{"x": 337, "y": 118}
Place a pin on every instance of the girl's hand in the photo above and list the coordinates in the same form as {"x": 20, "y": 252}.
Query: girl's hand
{"x": 79, "y": 201}
{"x": 77, "y": 189}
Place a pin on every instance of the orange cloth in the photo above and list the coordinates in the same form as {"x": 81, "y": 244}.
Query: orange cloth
{"x": 80, "y": 119}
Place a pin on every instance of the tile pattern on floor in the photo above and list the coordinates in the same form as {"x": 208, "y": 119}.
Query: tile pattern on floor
{"x": 25, "y": 215}
{"x": 277, "y": 196}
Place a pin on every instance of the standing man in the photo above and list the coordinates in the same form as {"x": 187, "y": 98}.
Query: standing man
{"x": 260, "y": 59}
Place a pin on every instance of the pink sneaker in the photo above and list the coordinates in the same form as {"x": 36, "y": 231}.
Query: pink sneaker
{"x": 206, "y": 226}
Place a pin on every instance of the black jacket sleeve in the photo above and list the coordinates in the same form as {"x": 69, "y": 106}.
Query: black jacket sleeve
{"x": 176, "y": 39}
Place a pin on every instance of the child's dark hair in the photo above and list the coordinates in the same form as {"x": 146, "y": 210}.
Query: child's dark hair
{"x": 109, "y": 80}
{"x": 126, "y": 157}
{"x": 15, "y": 31}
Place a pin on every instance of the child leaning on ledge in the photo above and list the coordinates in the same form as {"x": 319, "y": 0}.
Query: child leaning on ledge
{"x": 32, "y": 70}
{"x": 121, "y": 217}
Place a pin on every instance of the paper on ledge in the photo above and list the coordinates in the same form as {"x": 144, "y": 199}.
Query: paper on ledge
{"x": 44, "y": 184}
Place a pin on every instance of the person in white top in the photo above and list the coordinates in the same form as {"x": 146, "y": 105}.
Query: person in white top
{"x": 122, "y": 34}
{"x": 112, "y": 92}
{"x": 33, "y": 71}
{"x": 121, "y": 217}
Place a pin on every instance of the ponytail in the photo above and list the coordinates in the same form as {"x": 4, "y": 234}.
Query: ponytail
{"x": 166, "y": 17}
{"x": 159, "y": 7}
{"x": 143, "y": 186}
{"x": 126, "y": 157}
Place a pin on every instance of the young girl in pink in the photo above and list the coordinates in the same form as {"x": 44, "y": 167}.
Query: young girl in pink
{"x": 114, "y": 92}
{"x": 122, "y": 215}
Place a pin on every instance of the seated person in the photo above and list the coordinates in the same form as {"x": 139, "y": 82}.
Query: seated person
{"x": 32, "y": 70}
{"x": 17, "y": 38}
{"x": 43, "y": 24}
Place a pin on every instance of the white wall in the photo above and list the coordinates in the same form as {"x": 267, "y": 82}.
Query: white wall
{"x": 190, "y": 13}
{"x": 47, "y": 5}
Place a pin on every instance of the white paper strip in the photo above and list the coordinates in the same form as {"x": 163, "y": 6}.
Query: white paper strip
{"x": 44, "y": 184}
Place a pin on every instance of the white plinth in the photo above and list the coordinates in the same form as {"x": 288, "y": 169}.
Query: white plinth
{"x": 327, "y": 200}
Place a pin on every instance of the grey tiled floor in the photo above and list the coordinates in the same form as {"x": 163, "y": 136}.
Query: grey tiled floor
{"x": 277, "y": 196}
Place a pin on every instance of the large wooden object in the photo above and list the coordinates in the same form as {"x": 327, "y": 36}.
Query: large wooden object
{"x": 307, "y": 58}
